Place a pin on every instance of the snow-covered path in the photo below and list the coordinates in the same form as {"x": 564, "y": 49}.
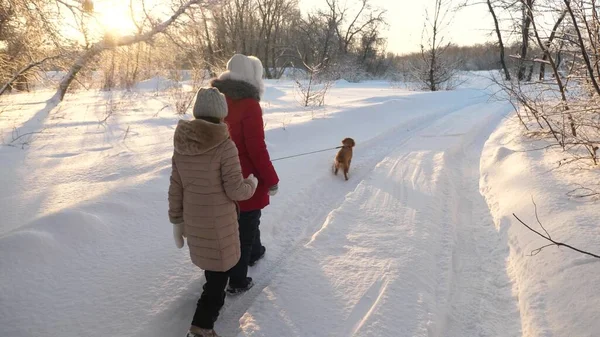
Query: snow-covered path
{"x": 407, "y": 247}
{"x": 408, "y": 250}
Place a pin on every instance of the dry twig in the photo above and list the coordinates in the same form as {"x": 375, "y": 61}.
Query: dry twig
{"x": 549, "y": 238}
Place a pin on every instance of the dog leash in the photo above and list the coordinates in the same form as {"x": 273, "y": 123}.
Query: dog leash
{"x": 307, "y": 153}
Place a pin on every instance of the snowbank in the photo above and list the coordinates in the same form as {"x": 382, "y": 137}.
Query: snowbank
{"x": 557, "y": 289}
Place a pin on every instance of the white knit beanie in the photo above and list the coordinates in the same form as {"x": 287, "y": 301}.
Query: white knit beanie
{"x": 246, "y": 68}
{"x": 210, "y": 103}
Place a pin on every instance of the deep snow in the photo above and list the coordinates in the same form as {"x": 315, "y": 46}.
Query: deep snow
{"x": 407, "y": 247}
{"x": 557, "y": 289}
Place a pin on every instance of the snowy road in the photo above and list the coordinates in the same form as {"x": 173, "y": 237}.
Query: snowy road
{"x": 407, "y": 247}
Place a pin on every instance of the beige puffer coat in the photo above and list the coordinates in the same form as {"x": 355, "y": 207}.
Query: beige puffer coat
{"x": 205, "y": 183}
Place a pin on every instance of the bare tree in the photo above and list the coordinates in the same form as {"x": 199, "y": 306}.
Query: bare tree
{"x": 312, "y": 87}
{"x": 355, "y": 23}
{"x": 85, "y": 56}
{"x": 343, "y": 26}
{"x": 343, "y": 36}
{"x": 23, "y": 39}
{"x": 582, "y": 44}
{"x": 37, "y": 29}
{"x": 563, "y": 109}
{"x": 20, "y": 73}
{"x": 435, "y": 68}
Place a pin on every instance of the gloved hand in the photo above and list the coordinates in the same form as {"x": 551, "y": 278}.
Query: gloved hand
{"x": 253, "y": 179}
{"x": 273, "y": 190}
{"x": 178, "y": 235}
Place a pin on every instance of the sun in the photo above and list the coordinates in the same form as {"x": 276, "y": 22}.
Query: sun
{"x": 115, "y": 20}
{"x": 111, "y": 18}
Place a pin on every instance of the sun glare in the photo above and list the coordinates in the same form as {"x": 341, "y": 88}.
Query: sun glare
{"x": 116, "y": 21}
{"x": 113, "y": 18}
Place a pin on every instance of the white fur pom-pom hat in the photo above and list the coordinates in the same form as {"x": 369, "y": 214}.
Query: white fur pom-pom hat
{"x": 245, "y": 68}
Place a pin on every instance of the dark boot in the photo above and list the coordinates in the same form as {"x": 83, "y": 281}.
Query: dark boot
{"x": 197, "y": 332}
{"x": 255, "y": 258}
{"x": 239, "y": 289}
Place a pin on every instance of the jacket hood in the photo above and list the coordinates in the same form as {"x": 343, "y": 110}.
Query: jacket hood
{"x": 198, "y": 136}
{"x": 235, "y": 89}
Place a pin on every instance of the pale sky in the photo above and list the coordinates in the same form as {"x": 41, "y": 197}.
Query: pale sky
{"x": 406, "y": 17}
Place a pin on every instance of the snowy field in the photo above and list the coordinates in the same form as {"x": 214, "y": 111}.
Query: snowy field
{"x": 419, "y": 242}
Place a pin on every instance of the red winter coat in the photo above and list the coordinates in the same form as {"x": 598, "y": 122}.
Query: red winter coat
{"x": 247, "y": 132}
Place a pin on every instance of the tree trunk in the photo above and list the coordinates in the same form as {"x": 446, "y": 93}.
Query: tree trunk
{"x": 559, "y": 81}
{"x": 527, "y": 17}
{"x": 433, "y": 60}
{"x": 586, "y": 57}
{"x": 596, "y": 33}
{"x": 66, "y": 81}
{"x": 591, "y": 39}
{"x": 500, "y": 41}
{"x": 549, "y": 43}
{"x": 211, "y": 53}
{"x": 267, "y": 50}
{"x": 559, "y": 58}
{"x": 432, "y": 81}
{"x": 325, "y": 54}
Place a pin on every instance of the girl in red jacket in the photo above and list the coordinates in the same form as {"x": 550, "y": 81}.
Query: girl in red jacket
{"x": 243, "y": 87}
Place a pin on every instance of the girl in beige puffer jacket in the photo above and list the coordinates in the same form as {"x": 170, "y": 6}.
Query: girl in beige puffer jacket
{"x": 206, "y": 182}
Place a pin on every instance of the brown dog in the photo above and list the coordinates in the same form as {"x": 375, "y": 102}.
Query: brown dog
{"x": 344, "y": 157}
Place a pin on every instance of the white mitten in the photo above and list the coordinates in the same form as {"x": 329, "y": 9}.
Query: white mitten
{"x": 253, "y": 179}
{"x": 273, "y": 190}
{"x": 178, "y": 235}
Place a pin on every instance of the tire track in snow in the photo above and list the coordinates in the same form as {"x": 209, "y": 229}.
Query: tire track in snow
{"x": 480, "y": 301}
{"x": 378, "y": 288}
{"x": 314, "y": 211}
{"x": 407, "y": 253}
{"x": 472, "y": 295}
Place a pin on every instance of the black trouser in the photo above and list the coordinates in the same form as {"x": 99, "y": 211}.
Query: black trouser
{"x": 212, "y": 299}
{"x": 248, "y": 226}
{"x": 257, "y": 245}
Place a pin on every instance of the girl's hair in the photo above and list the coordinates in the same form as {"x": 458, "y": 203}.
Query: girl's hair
{"x": 213, "y": 120}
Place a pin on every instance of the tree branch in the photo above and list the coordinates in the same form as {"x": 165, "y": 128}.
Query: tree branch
{"x": 553, "y": 242}
{"x": 24, "y": 70}
{"x": 106, "y": 44}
